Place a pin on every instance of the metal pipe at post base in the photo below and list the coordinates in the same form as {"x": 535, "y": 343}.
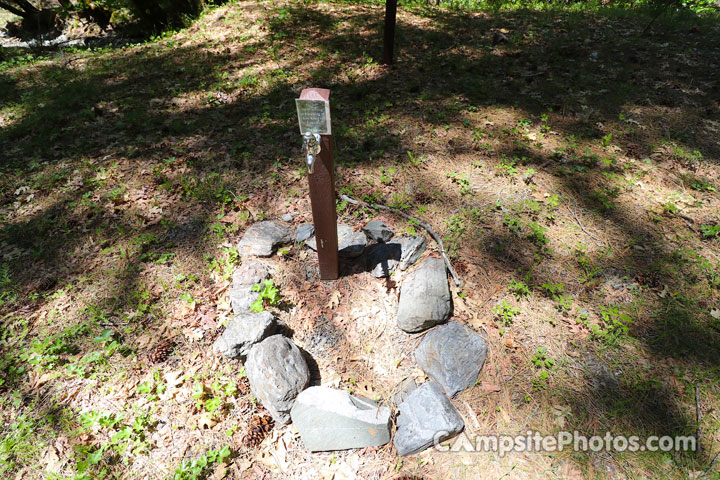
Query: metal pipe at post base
{"x": 313, "y": 108}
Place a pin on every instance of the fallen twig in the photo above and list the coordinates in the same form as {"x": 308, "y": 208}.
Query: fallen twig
{"x": 712, "y": 464}
{"x": 582, "y": 227}
{"x": 428, "y": 228}
{"x": 698, "y": 419}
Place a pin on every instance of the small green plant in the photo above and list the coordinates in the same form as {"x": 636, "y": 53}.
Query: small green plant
{"x": 615, "y": 325}
{"x": 386, "y": 175}
{"x": 540, "y": 382}
{"x": 670, "y": 208}
{"x": 415, "y": 161}
{"x": 506, "y": 312}
{"x": 537, "y": 234}
{"x": 507, "y": 167}
{"x": 606, "y": 196}
{"x": 463, "y": 181}
{"x": 268, "y": 295}
{"x": 710, "y": 231}
{"x": 541, "y": 360}
{"x": 399, "y": 201}
{"x": 556, "y": 291}
{"x": 519, "y": 288}
{"x": 606, "y": 139}
{"x": 590, "y": 270}
{"x": 7, "y": 291}
{"x": 200, "y": 467}
{"x": 702, "y": 185}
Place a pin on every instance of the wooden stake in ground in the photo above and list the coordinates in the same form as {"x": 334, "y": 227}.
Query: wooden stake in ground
{"x": 313, "y": 108}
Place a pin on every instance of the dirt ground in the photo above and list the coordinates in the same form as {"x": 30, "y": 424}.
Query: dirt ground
{"x": 572, "y": 172}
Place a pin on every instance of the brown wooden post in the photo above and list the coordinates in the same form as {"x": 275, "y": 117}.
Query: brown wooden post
{"x": 389, "y": 38}
{"x": 322, "y": 194}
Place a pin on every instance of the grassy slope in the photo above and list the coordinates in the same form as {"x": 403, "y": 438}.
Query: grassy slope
{"x": 580, "y": 159}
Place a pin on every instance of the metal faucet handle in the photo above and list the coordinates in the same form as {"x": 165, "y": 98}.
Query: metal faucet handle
{"x": 311, "y": 143}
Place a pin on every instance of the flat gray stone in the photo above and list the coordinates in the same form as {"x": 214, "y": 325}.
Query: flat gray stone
{"x": 303, "y": 232}
{"x": 248, "y": 274}
{"x": 288, "y": 217}
{"x": 424, "y": 297}
{"x": 377, "y": 231}
{"x": 425, "y": 418}
{"x": 350, "y": 242}
{"x": 330, "y": 419}
{"x": 412, "y": 248}
{"x": 452, "y": 355}
{"x": 382, "y": 258}
{"x": 262, "y": 238}
{"x": 243, "y": 331}
{"x": 277, "y": 373}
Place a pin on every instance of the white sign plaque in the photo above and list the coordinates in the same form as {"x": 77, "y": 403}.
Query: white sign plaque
{"x": 314, "y": 116}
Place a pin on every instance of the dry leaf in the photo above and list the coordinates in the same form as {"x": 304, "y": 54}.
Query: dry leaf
{"x": 715, "y": 313}
{"x": 490, "y": 387}
{"x": 334, "y": 300}
{"x": 52, "y": 461}
{"x": 206, "y": 421}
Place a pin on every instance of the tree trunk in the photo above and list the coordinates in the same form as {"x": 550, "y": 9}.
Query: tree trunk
{"x": 389, "y": 38}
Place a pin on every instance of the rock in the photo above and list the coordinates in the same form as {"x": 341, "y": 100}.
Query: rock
{"x": 377, "y": 231}
{"x": 350, "y": 242}
{"x": 277, "y": 373}
{"x": 406, "y": 388}
{"x": 303, "y": 232}
{"x": 425, "y": 418}
{"x": 412, "y": 248}
{"x": 250, "y": 273}
{"x": 382, "y": 258}
{"x": 243, "y": 331}
{"x": 499, "y": 37}
{"x": 288, "y": 217}
{"x": 603, "y": 379}
{"x": 424, "y": 297}
{"x": 262, "y": 238}
{"x": 330, "y": 419}
{"x": 452, "y": 355}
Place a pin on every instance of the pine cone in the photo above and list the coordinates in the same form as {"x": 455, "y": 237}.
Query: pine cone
{"x": 260, "y": 426}
{"x": 161, "y": 351}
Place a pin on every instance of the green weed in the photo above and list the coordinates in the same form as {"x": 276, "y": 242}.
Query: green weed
{"x": 519, "y": 288}
{"x": 269, "y": 295}
{"x": 506, "y": 312}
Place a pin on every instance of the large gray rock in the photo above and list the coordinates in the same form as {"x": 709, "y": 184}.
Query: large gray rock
{"x": 425, "y": 418}
{"x": 262, "y": 238}
{"x": 330, "y": 419}
{"x": 277, "y": 372}
{"x": 452, "y": 355}
{"x": 250, "y": 273}
{"x": 377, "y": 231}
{"x": 350, "y": 242}
{"x": 243, "y": 331}
{"x": 424, "y": 297}
{"x": 303, "y": 232}
{"x": 382, "y": 258}
{"x": 411, "y": 248}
